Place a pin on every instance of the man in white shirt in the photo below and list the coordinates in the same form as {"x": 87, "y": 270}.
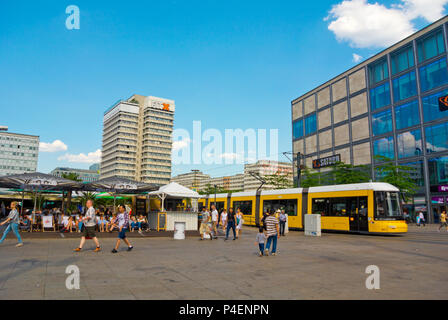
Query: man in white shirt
{"x": 215, "y": 217}
{"x": 89, "y": 227}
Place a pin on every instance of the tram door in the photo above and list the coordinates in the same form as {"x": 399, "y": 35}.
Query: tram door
{"x": 358, "y": 214}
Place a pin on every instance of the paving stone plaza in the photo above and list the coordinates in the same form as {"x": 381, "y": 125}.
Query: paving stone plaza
{"x": 333, "y": 266}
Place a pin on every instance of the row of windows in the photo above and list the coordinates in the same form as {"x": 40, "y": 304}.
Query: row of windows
{"x": 340, "y": 207}
{"x": 17, "y": 147}
{"x": 410, "y": 144}
{"x": 308, "y": 123}
{"x": 432, "y": 76}
{"x": 428, "y": 47}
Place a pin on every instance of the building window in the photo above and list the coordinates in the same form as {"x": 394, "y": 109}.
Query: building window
{"x": 437, "y": 138}
{"x": 380, "y": 96}
{"x": 310, "y": 124}
{"x": 378, "y": 71}
{"x": 430, "y": 46}
{"x": 298, "y": 129}
{"x": 384, "y": 147}
{"x": 402, "y": 60}
{"x": 407, "y": 115}
{"x": 404, "y": 86}
{"x": 382, "y": 122}
{"x": 409, "y": 144}
{"x": 438, "y": 170}
{"x": 416, "y": 171}
{"x": 430, "y": 106}
{"x": 433, "y": 75}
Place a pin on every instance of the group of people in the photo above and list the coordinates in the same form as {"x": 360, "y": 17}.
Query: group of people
{"x": 212, "y": 221}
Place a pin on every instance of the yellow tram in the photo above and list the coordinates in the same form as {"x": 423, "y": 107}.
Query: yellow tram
{"x": 362, "y": 208}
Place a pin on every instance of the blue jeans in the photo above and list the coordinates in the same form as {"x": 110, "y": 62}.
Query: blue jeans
{"x": 261, "y": 247}
{"x": 15, "y": 229}
{"x": 230, "y": 225}
{"x": 274, "y": 243}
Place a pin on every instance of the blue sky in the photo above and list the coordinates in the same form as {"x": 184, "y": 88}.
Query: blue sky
{"x": 230, "y": 64}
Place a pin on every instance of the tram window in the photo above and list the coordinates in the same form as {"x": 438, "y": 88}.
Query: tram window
{"x": 387, "y": 205}
{"x": 320, "y": 206}
{"x": 362, "y": 209}
{"x": 245, "y": 206}
{"x": 290, "y": 206}
{"x": 219, "y": 205}
{"x": 338, "y": 207}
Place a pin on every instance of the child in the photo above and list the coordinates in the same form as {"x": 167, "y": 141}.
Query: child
{"x": 261, "y": 237}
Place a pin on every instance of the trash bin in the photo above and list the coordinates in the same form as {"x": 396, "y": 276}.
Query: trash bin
{"x": 179, "y": 230}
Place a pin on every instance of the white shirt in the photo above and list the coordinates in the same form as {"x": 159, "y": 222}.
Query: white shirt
{"x": 214, "y": 216}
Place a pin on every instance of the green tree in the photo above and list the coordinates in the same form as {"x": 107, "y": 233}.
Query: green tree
{"x": 74, "y": 177}
{"x": 279, "y": 180}
{"x": 85, "y": 196}
{"x": 399, "y": 176}
{"x": 343, "y": 173}
{"x": 310, "y": 178}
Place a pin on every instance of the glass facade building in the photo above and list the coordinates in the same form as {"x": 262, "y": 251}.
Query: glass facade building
{"x": 388, "y": 106}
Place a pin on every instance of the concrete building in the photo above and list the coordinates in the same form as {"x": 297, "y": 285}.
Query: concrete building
{"x": 264, "y": 168}
{"x": 243, "y": 181}
{"x": 19, "y": 153}
{"x": 137, "y": 139}
{"x": 84, "y": 175}
{"x": 386, "y": 106}
{"x": 95, "y": 167}
{"x": 194, "y": 180}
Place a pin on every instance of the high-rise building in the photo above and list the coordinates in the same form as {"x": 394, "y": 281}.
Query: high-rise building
{"x": 137, "y": 139}
{"x": 393, "y": 105}
{"x": 18, "y": 152}
{"x": 84, "y": 175}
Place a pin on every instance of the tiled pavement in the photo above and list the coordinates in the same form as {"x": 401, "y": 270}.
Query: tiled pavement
{"x": 330, "y": 267}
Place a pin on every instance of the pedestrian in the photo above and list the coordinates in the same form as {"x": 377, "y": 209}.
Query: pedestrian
{"x": 443, "y": 222}
{"x": 421, "y": 219}
{"x": 282, "y": 221}
{"x": 123, "y": 225}
{"x": 3, "y": 208}
{"x": 272, "y": 233}
{"x": 230, "y": 224}
{"x": 261, "y": 238}
{"x": 89, "y": 227}
{"x": 205, "y": 227}
{"x": 215, "y": 220}
{"x": 13, "y": 219}
{"x": 265, "y": 214}
{"x": 224, "y": 220}
{"x": 239, "y": 222}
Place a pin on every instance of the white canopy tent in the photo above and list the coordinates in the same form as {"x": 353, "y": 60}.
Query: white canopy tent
{"x": 174, "y": 190}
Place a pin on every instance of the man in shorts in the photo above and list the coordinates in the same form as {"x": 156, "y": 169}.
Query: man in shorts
{"x": 123, "y": 223}
{"x": 89, "y": 227}
{"x": 215, "y": 218}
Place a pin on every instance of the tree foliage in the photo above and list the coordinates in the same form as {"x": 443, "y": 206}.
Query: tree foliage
{"x": 399, "y": 176}
{"x": 279, "y": 180}
{"x": 343, "y": 173}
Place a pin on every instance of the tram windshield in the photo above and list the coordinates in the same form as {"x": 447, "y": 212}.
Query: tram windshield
{"x": 387, "y": 206}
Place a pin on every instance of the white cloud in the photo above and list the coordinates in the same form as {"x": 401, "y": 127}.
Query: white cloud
{"x": 356, "y": 58}
{"x": 55, "y": 146}
{"x": 91, "y": 157}
{"x": 367, "y": 25}
{"x": 181, "y": 144}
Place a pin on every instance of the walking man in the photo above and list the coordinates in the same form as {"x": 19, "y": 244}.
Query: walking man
{"x": 89, "y": 227}
{"x": 123, "y": 224}
{"x": 13, "y": 219}
{"x": 272, "y": 233}
{"x": 421, "y": 219}
{"x": 443, "y": 221}
{"x": 282, "y": 221}
{"x": 230, "y": 224}
{"x": 215, "y": 219}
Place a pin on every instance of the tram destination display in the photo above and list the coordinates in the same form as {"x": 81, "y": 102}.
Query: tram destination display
{"x": 327, "y": 161}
